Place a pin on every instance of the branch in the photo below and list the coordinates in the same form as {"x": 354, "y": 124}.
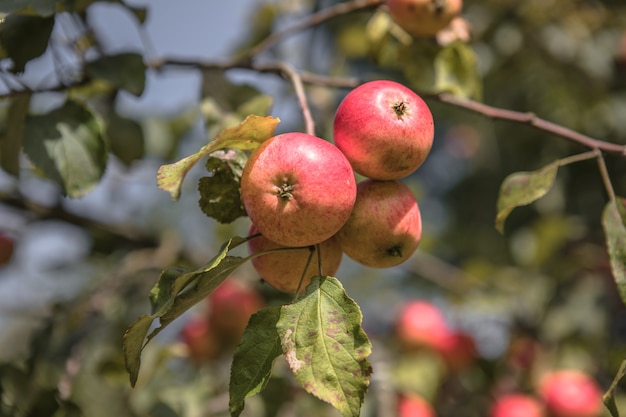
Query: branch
{"x": 313, "y": 20}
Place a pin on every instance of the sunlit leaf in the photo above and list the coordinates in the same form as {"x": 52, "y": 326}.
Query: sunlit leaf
{"x": 456, "y": 71}
{"x": 67, "y": 145}
{"x": 24, "y": 37}
{"x": 12, "y": 134}
{"x": 126, "y": 71}
{"x": 247, "y": 135}
{"x": 609, "y": 396}
{"x": 523, "y": 188}
{"x": 325, "y": 345}
{"x": 176, "y": 292}
{"x": 615, "y": 233}
{"x": 253, "y": 358}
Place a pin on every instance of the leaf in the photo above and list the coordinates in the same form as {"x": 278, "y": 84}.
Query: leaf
{"x": 456, "y": 71}
{"x": 175, "y": 292}
{"x": 523, "y": 188}
{"x": 247, "y": 135}
{"x": 609, "y": 396}
{"x": 220, "y": 197}
{"x": 133, "y": 344}
{"x": 24, "y": 37}
{"x": 253, "y": 358}
{"x": 67, "y": 145}
{"x": 125, "y": 138}
{"x": 325, "y": 345}
{"x": 13, "y": 132}
{"x": 126, "y": 71}
{"x": 615, "y": 231}
{"x": 41, "y": 7}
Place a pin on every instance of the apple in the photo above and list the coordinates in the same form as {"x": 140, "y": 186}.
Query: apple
{"x": 230, "y": 307}
{"x": 7, "y": 245}
{"x": 298, "y": 189}
{"x": 384, "y": 128}
{"x": 458, "y": 350}
{"x": 200, "y": 340}
{"x": 283, "y": 269}
{"x": 385, "y": 226}
{"x": 516, "y": 405}
{"x": 420, "y": 324}
{"x": 571, "y": 393}
{"x": 413, "y": 405}
{"x": 424, "y": 18}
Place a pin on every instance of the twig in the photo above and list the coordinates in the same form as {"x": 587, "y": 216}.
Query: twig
{"x": 313, "y": 20}
{"x": 580, "y": 157}
{"x": 605, "y": 177}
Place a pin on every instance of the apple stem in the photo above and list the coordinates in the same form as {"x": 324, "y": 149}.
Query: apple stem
{"x": 306, "y": 267}
{"x": 400, "y": 108}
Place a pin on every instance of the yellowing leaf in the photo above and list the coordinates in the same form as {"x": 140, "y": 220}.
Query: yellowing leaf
{"x": 247, "y": 135}
{"x": 523, "y": 188}
{"x": 325, "y": 345}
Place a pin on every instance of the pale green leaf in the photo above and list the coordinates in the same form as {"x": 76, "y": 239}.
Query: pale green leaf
{"x": 126, "y": 71}
{"x": 523, "y": 188}
{"x": 609, "y": 396}
{"x": 12, "y": 134}
{"x": 615, "y": 233}
{"x": 253, "y": 358}
{"x": 247, "y": 135}
{"x": 67, "y": 145}
{"x": 456, "y": 71}
{"x": 325, "y": 345}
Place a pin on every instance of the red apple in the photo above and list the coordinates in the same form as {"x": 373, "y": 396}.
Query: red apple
{"x": 385, "y": 226}
{"x": 283, "y": 269}
{"x": 7, "y": 246}
{"x": 298, "y": 189}
{"x": 385, "y": 129}
{"x": 424, "y": 17}
{"x": 516, "y": 405}
{"x": 413, "y": 405}
{"x": 458, "y": 350}
{"x": 202, "y": 344}
{"x": 230, "y": 308}
{"x": 422, "y": 325}
{"x": 571, "y": 393}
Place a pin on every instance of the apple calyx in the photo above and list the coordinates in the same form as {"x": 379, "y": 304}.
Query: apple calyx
{"x": 400, "y": 108}
{"x": 395, "y": 251}
{"x": 285, "y": 191}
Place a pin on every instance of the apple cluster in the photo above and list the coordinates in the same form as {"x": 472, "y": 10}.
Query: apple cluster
{"x": 301, "y": 192}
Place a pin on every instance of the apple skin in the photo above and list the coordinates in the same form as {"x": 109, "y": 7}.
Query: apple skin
{"x": 283, "y": 270}
{"x": 385, "y": 227}
{"x": 385, "y": 129}
{"x": 459, "y": 350}
{"x": 230, "y": 307}
{"x": 516, "y": 405}
{"x": 298, "y": 189}
{"x": 420, "y": 324}
{"x": 200, "y": 339}
{"x": 424, "y": 18}
{"x": 7, "y": 246}
{"x": 571, "y": 393}
{"x": 412, "y": 405}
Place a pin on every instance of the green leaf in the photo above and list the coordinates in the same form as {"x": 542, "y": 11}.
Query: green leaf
{"x": 609, "y": 396}
{"x": 523, "y": 188}
{"x": 325, "y": 345}
{"x": 615, "y": 232}
{"x": 253, "y": 358}
{"x": 24, "y": 37}
{"x": 125, "y": 138}
{"x": 68, "y": 146}
{"x": 41, "y": 7}
{"x": 247, "y": 135}
{"x": 125, "y": 70}
{"x": 176, "y": 292}
{"x": 456, "y": 71}
{"x": 220, "y": 197}
{"x": 12, "y": 134}
{"x": 133, "y": 345}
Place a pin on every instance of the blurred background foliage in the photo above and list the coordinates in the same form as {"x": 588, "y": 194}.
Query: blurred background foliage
{"x": 83, "y": 267}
